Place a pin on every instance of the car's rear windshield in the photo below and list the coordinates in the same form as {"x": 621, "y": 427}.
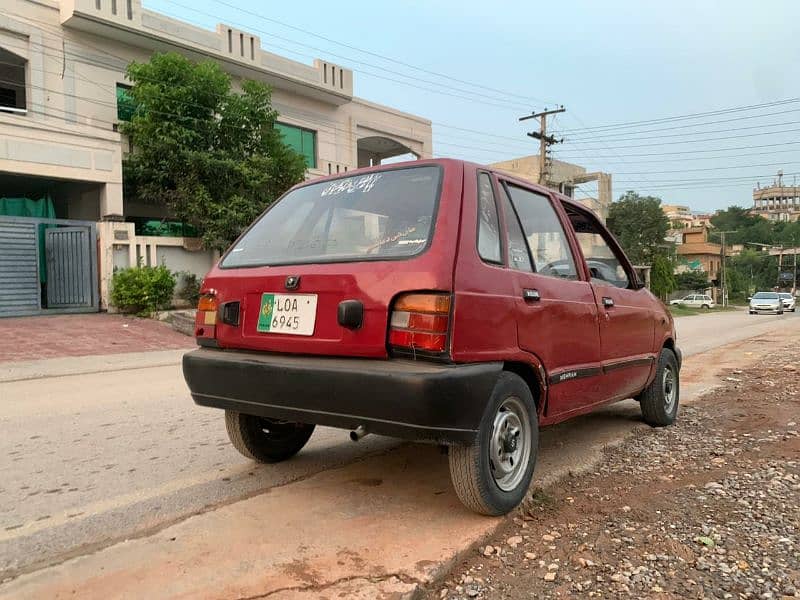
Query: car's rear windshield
{"x": 378, "y": 216}
{"x": 786, "y": 296}
{"x": 766, "y": 296}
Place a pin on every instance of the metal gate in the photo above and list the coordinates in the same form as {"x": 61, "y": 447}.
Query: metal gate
{"x": 69, "y": 282}
{"x": 47, "y": 266}
{"x": 19, "y": 269}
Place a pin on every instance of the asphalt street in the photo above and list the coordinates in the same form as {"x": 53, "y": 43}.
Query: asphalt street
{"x": 106, "y": 456}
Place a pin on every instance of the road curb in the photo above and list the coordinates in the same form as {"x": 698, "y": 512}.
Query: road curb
{"x": 85, "y": 365}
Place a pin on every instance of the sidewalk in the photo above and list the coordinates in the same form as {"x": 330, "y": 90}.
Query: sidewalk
{"x": 59, "y": 336}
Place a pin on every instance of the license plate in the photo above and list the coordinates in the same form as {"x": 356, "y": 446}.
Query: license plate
{"x": 294, "y": 314}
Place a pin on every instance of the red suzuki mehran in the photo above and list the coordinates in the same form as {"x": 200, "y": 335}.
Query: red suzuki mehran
{"x": 434, "y": 300}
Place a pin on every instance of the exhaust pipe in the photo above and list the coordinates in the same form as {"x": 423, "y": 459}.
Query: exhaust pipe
{"x": 358, "y": 433}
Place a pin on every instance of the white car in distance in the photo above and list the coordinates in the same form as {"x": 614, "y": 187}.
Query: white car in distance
{"x": 695, "y": 301}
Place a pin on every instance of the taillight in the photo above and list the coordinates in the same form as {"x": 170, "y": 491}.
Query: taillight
{"x": 206, "y": 320}
{"x": 420, "y": 322}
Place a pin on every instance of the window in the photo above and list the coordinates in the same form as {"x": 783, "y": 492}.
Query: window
{"x": 302, "y": 141}
{"x": 518, "y": 257}
{"x": 547, "y": 241}
{"x": 125, "y": 103}
{"x": 488, "y": 225}
{"x": 12, "y": 83}
{"x": 605, "y": 267}
{"x": 380, "y": 216}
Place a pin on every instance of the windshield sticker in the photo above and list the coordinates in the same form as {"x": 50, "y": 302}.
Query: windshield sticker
{"x": 352, "y": 184}
{"x": 403, "y": 242}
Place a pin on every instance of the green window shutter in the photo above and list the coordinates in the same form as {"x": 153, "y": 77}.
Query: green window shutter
{"x": 125, "y": 104}
{"x": 302, "y": 141}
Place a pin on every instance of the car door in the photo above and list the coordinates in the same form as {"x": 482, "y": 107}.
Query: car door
{"x": 556, "y": 313}
{"x": 626, "y": 310}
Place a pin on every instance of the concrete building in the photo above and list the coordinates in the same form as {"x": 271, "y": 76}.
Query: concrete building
{"x": 696, "y": 253}
{"x": 564, "y": 177}
{"x": 63, "y": 92}
{"x": 681, "y": 217}
{"x": 777, "y": 202}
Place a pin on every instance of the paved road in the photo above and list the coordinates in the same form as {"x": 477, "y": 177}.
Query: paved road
{"x": 101, "y": 457}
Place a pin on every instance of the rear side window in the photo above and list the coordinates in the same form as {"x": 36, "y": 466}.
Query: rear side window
{"x": 518, "y": 257}
{"x": 546, "y": 237}
{"x": 382, "y": 215}
{"x": 488, "y": 224}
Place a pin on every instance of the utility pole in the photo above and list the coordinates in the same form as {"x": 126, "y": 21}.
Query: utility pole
{"x": 544, "y": 140}
{"x": 723, "y": 278}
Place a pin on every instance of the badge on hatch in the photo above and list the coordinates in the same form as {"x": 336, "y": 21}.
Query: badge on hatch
{"x": 265, "y": 315}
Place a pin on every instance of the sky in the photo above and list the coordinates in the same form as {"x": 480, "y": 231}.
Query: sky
{"x": 474, "y": 68}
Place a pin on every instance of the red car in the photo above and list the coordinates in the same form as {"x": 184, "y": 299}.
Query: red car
{"x": 435, "y": 300}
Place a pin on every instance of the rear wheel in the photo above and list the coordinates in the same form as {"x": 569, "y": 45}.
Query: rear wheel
{"x": 659, "y": 400}
{"x": 492, "y": 475}
{"x": 705, "y": 306}
{"x": 266, "y": 440}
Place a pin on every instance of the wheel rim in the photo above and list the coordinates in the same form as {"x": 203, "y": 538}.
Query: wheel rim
{"x": 510, "y": 444}
{"x": 670, "y": 390}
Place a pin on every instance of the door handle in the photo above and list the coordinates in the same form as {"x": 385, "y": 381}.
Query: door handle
{"x": 608, "y": 302}
{"x": 531, "y": 295}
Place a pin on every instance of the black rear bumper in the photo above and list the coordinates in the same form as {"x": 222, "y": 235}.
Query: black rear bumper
{"x": 402, "y": 398}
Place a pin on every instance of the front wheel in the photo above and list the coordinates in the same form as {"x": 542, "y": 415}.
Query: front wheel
{"x": 266, "y": 440}
{"x": 491, "y": 476}
{"x": 659, "y": 400}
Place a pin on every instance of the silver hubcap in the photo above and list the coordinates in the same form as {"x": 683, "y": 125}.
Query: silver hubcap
{"x": 510, "y": 444}
{"x": 670, "y": 391}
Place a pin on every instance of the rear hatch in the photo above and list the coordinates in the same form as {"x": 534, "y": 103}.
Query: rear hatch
{"x": 318, "y": 272}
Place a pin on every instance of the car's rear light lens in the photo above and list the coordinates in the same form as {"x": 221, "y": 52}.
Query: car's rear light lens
{"x": 420, "y": 322}
{"x": 206, "y": 320}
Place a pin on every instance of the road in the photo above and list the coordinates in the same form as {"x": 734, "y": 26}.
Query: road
{"x": 98, "y": 458}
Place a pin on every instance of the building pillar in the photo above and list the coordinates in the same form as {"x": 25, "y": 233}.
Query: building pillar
{"x": 111, "y": 207}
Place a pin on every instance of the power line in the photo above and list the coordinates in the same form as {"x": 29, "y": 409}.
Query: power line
{"x": 381, "y": 56}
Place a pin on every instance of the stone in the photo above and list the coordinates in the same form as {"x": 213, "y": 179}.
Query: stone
{"x": 550, "y": 576}
{"x": 530, "y": 556}
{"x": 548, "y": 538}
{"x": 514, "y": 541}
{"x": 488, "y": 551}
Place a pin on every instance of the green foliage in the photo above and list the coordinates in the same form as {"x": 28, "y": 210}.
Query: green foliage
{"x": 751, "y": 271}
{"x": 212, "y": 156}
{"x": 662, "y": 279}
{"x": 640, "y": 226}
{"x": 142, "y": 290}
{"x": 189, "y": 288}
{"x": 692, "y": 280}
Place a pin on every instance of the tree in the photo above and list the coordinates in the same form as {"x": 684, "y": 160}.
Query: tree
{"x": 640, "y": 226}
{"x": 692, "y": 280}
{"x": 662, "y": 279}
{"x": 212, "y": 156}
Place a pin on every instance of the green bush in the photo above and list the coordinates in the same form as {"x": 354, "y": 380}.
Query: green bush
{"x": 142, "y": 290}
{"x": 189, "y": 288}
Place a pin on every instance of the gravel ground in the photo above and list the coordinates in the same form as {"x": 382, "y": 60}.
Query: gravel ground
{"x": 707, "y": 508}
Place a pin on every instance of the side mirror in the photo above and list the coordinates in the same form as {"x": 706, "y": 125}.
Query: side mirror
{"x": 749, "y": 298}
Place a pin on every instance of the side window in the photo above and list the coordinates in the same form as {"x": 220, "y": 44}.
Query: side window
{"x": 605, "y": 267}
{"x": 546, "y": 238}
{"x": 488, "y": 224}
{"x": 518, "y": 257}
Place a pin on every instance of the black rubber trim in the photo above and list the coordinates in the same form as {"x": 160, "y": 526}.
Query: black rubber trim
{"x": 416, "y": 400}
{"x": 636, "y": 362}
{"x": 572, "y": 374}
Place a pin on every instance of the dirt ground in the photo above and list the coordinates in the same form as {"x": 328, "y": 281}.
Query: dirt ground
{"x": 707, "y": 508}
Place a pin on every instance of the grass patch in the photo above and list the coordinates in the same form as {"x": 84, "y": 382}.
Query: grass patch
{"x": 685, "y": 311}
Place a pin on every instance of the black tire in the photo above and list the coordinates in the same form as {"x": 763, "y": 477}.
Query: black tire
{"x": 266, "y": 440}
{"x": 473, "y": 472}
{"x": 660, "y": 399}
{"x": 706, "y": 307}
